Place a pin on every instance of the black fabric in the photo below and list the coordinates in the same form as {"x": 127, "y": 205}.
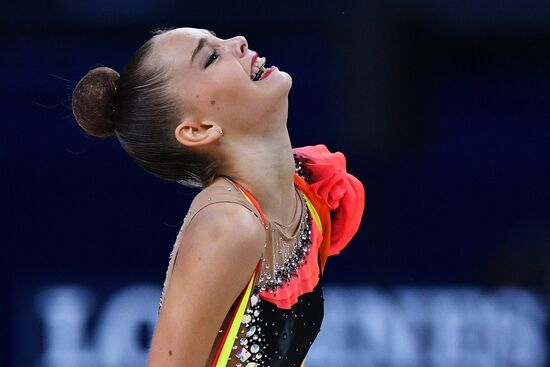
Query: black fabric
{"x": 290, "y": 333}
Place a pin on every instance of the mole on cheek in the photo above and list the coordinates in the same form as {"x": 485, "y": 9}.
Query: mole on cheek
{"x": 212, "y": 102}
{"x": 170, "y": 352}
{"x": 197, "y": 96}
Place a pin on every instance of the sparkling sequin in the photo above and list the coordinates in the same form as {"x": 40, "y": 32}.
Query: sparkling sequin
{"x": 253, "y": 300}
{"x": 252, "y": 329}
{"x": 243, "y": 354}
{"x": 251, "y": 335}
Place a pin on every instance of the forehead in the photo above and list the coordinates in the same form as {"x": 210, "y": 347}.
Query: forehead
{"x": 172, "y": 52}
{"x": 184, "y": 34}
{"x": 178, "y": 44}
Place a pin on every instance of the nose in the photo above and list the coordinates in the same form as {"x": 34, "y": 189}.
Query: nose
{"x": 240, "y": 46}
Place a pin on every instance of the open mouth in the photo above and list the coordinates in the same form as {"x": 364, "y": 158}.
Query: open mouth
{"x": 258, "y": 68}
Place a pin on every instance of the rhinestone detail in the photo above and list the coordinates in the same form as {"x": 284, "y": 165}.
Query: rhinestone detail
{"x": 282, "y": 274}
{"x": 300, "y": 168}
{"x": 251, "y": 336}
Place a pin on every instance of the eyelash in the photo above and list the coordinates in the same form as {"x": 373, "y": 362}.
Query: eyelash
{"x": 210, "y": 58}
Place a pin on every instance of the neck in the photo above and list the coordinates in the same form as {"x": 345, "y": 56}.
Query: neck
{"x": 265, "y": 167}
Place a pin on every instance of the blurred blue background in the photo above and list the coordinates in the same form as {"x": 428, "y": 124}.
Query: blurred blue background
{"x": 440, "y": 107}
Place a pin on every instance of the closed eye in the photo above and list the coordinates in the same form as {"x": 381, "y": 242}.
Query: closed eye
{"x": 213, "y": 56}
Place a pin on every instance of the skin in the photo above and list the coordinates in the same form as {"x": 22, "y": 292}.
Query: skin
{"x": 224, "y": 242}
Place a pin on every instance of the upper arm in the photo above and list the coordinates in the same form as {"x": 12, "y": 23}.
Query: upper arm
{"x": 218, "y": 254}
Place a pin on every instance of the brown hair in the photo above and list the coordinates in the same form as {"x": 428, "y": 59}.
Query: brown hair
{"x": 136, "y": 107}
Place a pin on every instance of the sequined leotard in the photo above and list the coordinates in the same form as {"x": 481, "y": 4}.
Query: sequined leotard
{"x": 279, "y": 314}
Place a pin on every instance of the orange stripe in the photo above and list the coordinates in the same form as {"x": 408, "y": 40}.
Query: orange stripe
{"x": 252, "y": 200}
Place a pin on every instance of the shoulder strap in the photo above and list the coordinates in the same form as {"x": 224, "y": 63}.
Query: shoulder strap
{"x": 251, "y": 198}
{"x": 220, "y": 194}
{"x": 230, "y": 333}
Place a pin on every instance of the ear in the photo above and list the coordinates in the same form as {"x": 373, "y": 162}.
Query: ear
{"x": 193, "y": 133}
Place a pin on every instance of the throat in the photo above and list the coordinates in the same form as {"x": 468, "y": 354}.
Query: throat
{"x": 289, "y": 228}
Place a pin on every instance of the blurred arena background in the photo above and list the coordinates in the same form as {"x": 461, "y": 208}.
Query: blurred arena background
{"x": 441, "y": 107}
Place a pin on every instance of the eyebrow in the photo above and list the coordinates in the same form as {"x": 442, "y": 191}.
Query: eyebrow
{"x": 199, "y": 47}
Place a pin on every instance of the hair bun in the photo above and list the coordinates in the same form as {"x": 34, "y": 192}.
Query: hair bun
{"x": 92, "y": 101}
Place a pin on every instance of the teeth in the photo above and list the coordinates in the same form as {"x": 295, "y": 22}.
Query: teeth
{"x": 259, "y": 63}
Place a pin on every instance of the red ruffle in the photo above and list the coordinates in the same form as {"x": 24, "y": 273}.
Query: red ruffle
{"x": 341, "y": 191}
{"x": 337, "y": 192}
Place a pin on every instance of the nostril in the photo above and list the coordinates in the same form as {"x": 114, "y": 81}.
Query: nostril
{"x": 243, "y": 47}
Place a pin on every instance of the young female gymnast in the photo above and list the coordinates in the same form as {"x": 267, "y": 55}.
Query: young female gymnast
{"x": 244, "y": 282}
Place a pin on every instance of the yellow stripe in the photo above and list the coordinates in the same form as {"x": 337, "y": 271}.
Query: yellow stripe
{"x": 246, "y": 196}
{"x": 314, "y": 213}
{"x": 226, "y": 350}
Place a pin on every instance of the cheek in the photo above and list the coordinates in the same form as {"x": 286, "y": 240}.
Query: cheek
{"x": 231, "y": 77}
{"x": 226, "y": 92}
{"x": 233, "y": 91}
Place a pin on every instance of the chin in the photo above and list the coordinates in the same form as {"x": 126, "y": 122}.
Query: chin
{"x": 288, "y": 77}
{"x": 280, "y": 87}
{"x": 287, "y": 81}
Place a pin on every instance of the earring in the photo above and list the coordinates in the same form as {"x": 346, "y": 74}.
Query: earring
{"x": 220, "y": 131}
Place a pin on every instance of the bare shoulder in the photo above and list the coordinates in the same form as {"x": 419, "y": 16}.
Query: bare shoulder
{"x": 225, "y": 226}
{"x": 228, "y": 211}
{"x": 222, "y": 227}
{"x": 225, "y": 238}
{"x": 218, "y": 252}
